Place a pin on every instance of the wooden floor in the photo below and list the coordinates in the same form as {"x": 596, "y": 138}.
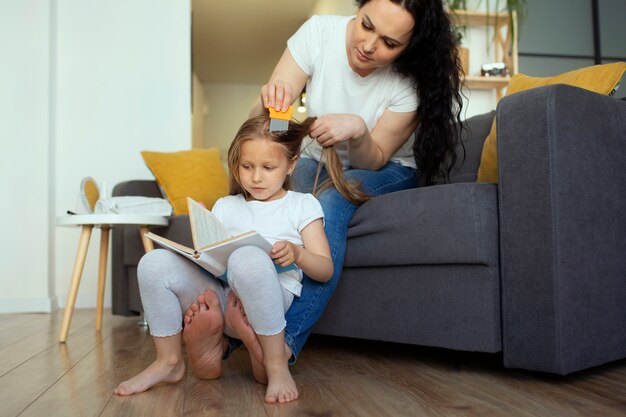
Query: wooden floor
{"x": 336, "y": 377}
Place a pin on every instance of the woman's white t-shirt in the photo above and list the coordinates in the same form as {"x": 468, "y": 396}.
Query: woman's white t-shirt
{"x": 281, "y": 219}
{"x": 319, "y": 49}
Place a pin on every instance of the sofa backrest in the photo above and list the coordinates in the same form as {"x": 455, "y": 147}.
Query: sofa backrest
{"x": 146, "y": 188}
{"x": 473, "y": 137}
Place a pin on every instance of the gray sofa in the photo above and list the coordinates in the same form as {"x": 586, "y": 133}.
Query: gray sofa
{"x": 534, "y": 267}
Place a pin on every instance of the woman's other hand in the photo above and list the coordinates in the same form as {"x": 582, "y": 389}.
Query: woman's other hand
{"x": 331, "y": 129}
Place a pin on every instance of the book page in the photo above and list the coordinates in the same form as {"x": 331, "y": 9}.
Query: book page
{"x": 221, "y": 251}
{"x": 166, "y": 243}
{"x": 206, "y": 229}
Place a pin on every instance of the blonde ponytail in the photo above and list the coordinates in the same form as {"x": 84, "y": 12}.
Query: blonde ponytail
{"x": 350, "y": 190}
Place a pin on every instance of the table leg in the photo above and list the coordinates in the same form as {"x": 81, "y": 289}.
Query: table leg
{"x": 102, "y": 270}
{"x": 79, "y": 263}
{"x": 148, "y": 245}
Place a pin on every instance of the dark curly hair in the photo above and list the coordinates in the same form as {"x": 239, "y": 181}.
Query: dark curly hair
{"x": 432, "y": 62}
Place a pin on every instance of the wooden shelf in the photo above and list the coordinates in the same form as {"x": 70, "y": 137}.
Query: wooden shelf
{"x": 486, "y": 83}
{"x": 505, "y": 45}
{"x": 476, "y": 18}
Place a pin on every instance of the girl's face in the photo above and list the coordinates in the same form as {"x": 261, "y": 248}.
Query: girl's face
{"x": 378, "y": 35}
{"x": 263, "y": 168}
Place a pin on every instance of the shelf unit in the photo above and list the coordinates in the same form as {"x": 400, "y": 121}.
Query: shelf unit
{"x": 504, "y": 43}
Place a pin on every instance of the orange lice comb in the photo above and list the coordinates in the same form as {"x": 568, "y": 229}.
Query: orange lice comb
{"x": 279, "y": 121}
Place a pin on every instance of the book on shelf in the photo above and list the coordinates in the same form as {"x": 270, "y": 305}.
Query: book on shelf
{"x": 212, "y": 242}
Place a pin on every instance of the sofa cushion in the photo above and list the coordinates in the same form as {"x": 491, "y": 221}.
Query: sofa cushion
{"x": 196, "y": 173}
{"x": 598, "y": 78}
{"x": 441, "y": 224}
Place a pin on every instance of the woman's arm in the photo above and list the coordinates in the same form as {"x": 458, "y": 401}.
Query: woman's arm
{"x": 285, "y": 84}
{"x": 366, "y": 150}
{"x": 314, "y": 258}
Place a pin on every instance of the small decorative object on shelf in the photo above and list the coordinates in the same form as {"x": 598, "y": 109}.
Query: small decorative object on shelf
{"x": 496, "y": 69}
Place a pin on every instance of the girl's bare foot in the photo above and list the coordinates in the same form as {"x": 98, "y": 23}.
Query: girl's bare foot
{"x": 281, "y": 388}
{"x": 204, "y": 336}
{"x": 169, "y": 368}
{"x": 236, "y": 320}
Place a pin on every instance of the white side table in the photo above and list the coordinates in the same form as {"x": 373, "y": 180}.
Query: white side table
{"x": 105, "y": 222}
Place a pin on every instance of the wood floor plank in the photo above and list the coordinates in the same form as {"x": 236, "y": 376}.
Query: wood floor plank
{"x": 335, "y": 377}
{"x": 12, "y": 325}
{"x": 27, "y": 382}
{"x": 316, "y": 399}
{"x": 87, "y": 387}
{"x": 234, "y": 394}
{"x": 40, "y": 339}
{"x": 163, "y": 399}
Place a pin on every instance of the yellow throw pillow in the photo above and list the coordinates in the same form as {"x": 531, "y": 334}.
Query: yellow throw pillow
{"x": 599, "y": 78}
{"x": 197, "y": 173}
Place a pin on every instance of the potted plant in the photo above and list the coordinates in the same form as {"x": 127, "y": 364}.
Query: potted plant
{"x": 520, "y": 8}
{"x": 460, "y": 32}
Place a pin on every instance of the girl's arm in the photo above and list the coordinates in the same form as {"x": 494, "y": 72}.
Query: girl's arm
{"x": 314, "y": 258}
{"x": 367, "y": 150}
{"x": 285, "y": 84}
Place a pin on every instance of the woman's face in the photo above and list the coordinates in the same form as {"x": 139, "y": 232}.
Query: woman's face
{"x": 378, "y": 35}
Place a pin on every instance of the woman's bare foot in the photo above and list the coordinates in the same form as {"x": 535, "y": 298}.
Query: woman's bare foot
{"x": 204, "y": 336}
{"x": 281, "y": 388}
{"x": 168, "y": 367}
{"x": 236, "y": 319}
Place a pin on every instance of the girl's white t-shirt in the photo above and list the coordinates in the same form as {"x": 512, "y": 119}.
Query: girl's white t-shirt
{"x": 319, "y": 49}
{"x": 281, "y": 219}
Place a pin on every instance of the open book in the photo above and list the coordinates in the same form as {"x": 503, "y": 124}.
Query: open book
{"x": 212, "y": 243}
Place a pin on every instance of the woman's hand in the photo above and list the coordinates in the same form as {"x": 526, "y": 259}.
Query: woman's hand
{"x": 286, "y": 83}
{"x": 285, "y": 253}
{"x": 277, "y": 94}
{"x": 331, "y": 129}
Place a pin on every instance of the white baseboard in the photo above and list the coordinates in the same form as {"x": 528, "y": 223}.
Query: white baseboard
{"x": 48, "y": 305}
{"x": 28, "y": 305}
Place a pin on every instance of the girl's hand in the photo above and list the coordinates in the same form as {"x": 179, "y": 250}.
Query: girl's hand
{"x": 285, "y": 253}
{"x": 331, "y": 129}
{"x": 277, "y": 94}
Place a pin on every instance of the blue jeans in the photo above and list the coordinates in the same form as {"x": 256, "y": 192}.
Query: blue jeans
{"x": 307, "y": 309}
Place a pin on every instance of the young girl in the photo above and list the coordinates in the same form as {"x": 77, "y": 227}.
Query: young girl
{"x": 260, "y": 164}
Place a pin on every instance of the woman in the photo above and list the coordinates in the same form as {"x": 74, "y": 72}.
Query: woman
{"x": 370, "y": 80}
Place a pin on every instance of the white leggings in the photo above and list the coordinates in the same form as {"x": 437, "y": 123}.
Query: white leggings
{"x": 169, "y": 284}
{"x": 253, "y": 278}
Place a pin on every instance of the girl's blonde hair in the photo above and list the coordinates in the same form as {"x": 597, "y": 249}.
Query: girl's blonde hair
{"x": 291, "y": 143}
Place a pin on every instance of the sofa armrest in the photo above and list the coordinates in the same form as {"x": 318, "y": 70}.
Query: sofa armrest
{"x": 561, "y": 156}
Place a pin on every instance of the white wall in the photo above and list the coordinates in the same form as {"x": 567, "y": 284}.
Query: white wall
{"x": 226, "y": 107}
{"x": 95, "y": 83}
{"x": 25, "y": 253}
{"x": 198, "y": 113}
